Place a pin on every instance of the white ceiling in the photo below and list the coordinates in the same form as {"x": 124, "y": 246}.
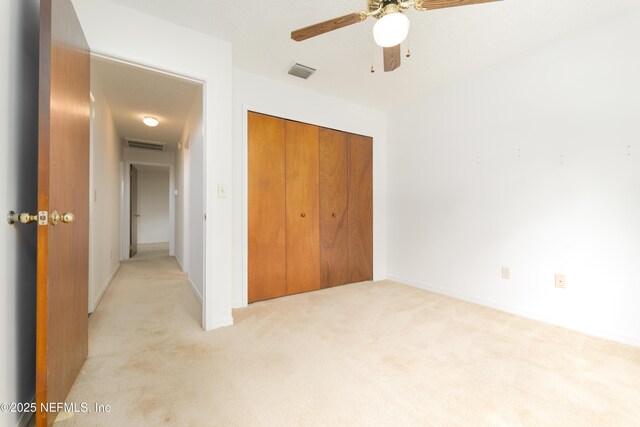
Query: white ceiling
{"x": 447, "y": 45}
{"x": 133, "y": 93}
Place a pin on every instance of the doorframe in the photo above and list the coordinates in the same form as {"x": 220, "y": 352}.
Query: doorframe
{"x": 205, "y": 322}
{"x": 126, "y": 205}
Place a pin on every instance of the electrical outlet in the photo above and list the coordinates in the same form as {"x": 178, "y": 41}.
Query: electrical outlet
{"x": 561, "y": 281}
{"x": 222, "y": 191}
{"x": 506, "y": 273}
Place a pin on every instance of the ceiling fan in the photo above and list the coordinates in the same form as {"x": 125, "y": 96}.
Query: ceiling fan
{"x": 392, "y": 26}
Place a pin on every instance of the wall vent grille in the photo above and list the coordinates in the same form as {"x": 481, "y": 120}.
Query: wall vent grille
{"x": 301, "y": 71}
{"x": 145, "y": 145}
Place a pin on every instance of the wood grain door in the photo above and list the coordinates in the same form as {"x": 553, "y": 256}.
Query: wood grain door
{"x": 334, "y": 235}
{"x": 133, "y": 211}
{"x": 303, "y": 207}
{"x": 267, "y": 273}
{"x": 360, "y": 208}
{"x": 63, "y": 186}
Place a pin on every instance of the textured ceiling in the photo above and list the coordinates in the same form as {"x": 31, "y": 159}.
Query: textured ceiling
{"x": 447, "y": 45}
{"x": 133, "y": 93}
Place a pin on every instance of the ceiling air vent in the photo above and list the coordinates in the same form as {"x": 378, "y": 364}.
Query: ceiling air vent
{"x": 301, "y": 71}
{"x": 145, "y": 145}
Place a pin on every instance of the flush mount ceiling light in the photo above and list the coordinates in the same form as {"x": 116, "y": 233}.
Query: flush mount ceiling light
{"x": 150, "y": 121}
{"x": 392, "y": 27}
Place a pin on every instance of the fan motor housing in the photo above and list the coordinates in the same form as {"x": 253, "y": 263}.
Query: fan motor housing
{"x": 374, "y": 5}
{"x": 385, "y": 7}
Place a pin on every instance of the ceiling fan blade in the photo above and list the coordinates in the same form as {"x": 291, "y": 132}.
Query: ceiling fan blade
{"x": 440, "y": 4}
{"x": 391, "y": 58}
{"x": 326, "y": 26}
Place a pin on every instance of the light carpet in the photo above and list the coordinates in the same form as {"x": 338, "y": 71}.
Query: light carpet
{"x": 150, "y": 250}
{"x": 367, "y": 354}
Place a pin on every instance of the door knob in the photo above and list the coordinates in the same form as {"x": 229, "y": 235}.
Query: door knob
{"x": 66, "y": 218}
{"x": 303, "y": 214}
{"x": 24, "y": 217}
{"x": 333, "y": 214}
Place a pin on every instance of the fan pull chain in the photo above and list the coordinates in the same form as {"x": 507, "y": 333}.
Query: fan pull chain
{"x": 409, "y": 47}
{"x": 373, "y": 70}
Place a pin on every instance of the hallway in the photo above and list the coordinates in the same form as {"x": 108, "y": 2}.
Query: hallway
{"x": 146, "y": 323}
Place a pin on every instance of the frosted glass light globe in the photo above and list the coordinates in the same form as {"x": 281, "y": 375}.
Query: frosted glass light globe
{"x": 150, "y": 121}
{"x": 391, "y": 29}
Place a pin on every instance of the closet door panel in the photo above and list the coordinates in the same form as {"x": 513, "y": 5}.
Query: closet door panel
{"x": 334, "y": 235}
{"x": 303, "y": 211}
{"x": 267, "y": 207}
{"x": 360, "y": 208}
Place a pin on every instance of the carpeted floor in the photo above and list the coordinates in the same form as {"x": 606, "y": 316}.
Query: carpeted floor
{"x": 358, "y": 355}
{"x": 151, "y": 250}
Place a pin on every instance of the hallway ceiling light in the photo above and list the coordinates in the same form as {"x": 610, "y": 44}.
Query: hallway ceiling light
{"x": 150, "y": 121}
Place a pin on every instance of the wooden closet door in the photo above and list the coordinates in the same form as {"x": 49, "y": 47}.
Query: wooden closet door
{"x": 267, "y": 208}
{"x": 360, "y": 208}
{"x": 303, "y": 228}
{"x": 334, "y": 235}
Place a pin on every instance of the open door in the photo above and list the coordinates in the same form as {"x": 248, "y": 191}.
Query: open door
{"x": 133, "y": 212}
{"x": 63, "y": 206}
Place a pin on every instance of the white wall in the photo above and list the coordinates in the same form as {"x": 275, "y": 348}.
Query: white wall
{"x": 153, "y": 206}
{"x": 534, "y": 165}
{"x": 151, "y": 157}
{"x": 140, "y": 38}
{"x": 190, "y": 201}
{"x": 105, "y": 202}
{"x": 196, "y": 197}
{"x": 18, "y": 192}
{"x": 182, "y": 205}
{"x": 254, "y": 93}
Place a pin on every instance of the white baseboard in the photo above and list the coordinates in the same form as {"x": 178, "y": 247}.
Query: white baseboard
{"x": 612, "y": 336}
{"x": 219, "y": 323}
{"x": 179, "y": 264}
{"x": 195, "y": 290}
{"x": 95, "y": 303}
{"x": 26, "y": 417}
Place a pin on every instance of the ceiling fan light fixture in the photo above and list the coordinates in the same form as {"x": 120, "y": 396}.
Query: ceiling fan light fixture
{"x": 391, "y": 29}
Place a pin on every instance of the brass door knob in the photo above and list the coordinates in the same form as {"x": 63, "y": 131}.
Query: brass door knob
{"x": 23, "y": 218}
{"x": 66, "y": 218}
{"x": 303, "y": 214}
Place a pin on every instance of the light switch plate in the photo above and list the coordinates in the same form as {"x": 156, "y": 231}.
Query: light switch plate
{"x": 561, "y": 281}
{"x": 222, "y": 191}
{"x": 506, "y": 273}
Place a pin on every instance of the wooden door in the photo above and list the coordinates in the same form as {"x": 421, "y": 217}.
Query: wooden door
{"x": 133, "y": 211}
{"x": 267, "y": 274}
{"x": 360, "y": 208}
{"x": 303, "y": 210}
{"x": 63, "y": 185}
{"x": 334, "y": 235}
